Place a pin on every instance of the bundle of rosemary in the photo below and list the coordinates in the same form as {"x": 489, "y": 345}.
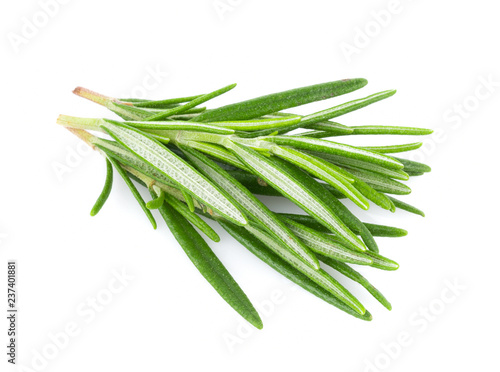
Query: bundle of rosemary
{"x": 211, "y": 163}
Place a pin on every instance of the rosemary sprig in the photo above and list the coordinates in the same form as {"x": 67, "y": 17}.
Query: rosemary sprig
{"x": 211, "y": 163}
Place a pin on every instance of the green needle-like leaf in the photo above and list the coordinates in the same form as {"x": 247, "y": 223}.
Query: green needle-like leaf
{"x": 195, "y": 102}
{"x": 158, "y": 126}
{"x": 106, "y": 190}
{"x": 324, "y": 171}
{"x": 293, "y": 187}
{"x": 127, "y": 112}
{"x": 173, "y": 167}
{"x": 344, "y": 108}
{"x": 326, "y": 246}
{"x": 380, "y": 182}
{"x": 357, "y": 277}
{"x": 336, "y": 129}
{"x": 385, "y": 129}
{"x": 329, "y": 147}
{"x": 381, "y": 262}
{"x": 373, "y": 195}
{"x": 209, "y": 265}
{"x": 275, "y": 102}
{"x": 375, "y": 230}
{"x": 378, "y": 261}
{"x": 314, "y": 134}
{"x": 343, "y": 161}
{"x": 333, "y": 112}
{"x": 385, "y": 231}
{"x": 134, "y": 191}
{"x": 189, "y": 200}
{"x": 393, "y": 148}
{"x": 286, "y": 269}
{"x": 413, "y": 166}
{"x": 332, "y": 130}
{"x": 406, "y": 207}
{"x": 259, "y": 124}
{"x": 164, "y": 103}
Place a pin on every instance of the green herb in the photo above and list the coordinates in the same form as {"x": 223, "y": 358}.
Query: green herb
{"x": 200, "y": 163}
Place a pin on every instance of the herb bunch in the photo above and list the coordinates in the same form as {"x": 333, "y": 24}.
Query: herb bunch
{"x": 212, "y": 162}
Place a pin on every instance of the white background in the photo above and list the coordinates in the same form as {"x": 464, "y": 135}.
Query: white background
{"x": 437, "y": 54}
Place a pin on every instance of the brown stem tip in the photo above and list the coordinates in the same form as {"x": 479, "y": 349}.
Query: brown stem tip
{"x": 101, "y": 99}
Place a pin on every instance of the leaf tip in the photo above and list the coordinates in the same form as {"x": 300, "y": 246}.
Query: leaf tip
{"x": 153, "y": 223}
{"x": 257, "y": 322}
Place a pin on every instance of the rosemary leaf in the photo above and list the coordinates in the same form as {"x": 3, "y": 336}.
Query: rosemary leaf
{"x": 380, "y": 182}
{"x": 106, "y": 190}
{"x": 275, "y": 102}
{"x": 329, "y": 147}
{"x": 406, "y": 207}
{"x": 374, "y": 229}
{"x": 385, "y": 129}
{"x": 190, "y": 104}
{"x": 413, "y": 166}
{"x": 252, "y": 125}
{"x": 393, "y": 148}
{"x": 357, "y": 277}
{"x": 381, "y": 262}
{"x": 164, "y": 103}
{"x": 385, "y": 231}
{"x": 344, "y": 108}
{"x": 361, "y": 164}
{"x": 134, "y": 191}
{"x": 326, "y": 246}
{"x": 158, "y": 126}
{"x": 324, "y": 171}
